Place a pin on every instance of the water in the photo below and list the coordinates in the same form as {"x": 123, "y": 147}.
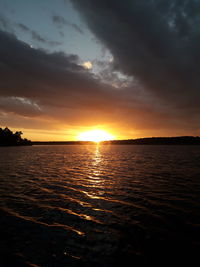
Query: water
{"x": 99, "y": 205}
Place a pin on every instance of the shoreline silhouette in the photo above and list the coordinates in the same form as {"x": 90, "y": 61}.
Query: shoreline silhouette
{"x": 8, "y": 138}
{"x": 179, "y": 140}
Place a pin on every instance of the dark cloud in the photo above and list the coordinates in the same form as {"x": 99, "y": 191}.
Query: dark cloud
{"x": 155, "y": 41}
{"x": 20, "y": 106}
{"x": 54, "y": 79}
{"x": 37, "y": 83}
{"x": 60, "y": 22}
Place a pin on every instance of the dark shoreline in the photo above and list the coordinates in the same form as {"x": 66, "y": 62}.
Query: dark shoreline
{"x": 182, "y": 140}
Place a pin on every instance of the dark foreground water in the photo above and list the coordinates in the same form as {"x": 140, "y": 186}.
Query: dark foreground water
{"x": 99, "y": 205}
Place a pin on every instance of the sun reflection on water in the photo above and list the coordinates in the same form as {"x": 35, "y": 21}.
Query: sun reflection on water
{"x": 97, "y": 158}
{"x": 95, "y": 169}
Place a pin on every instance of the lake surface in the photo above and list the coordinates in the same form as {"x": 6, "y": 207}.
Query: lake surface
{"x": 99, "y": 205}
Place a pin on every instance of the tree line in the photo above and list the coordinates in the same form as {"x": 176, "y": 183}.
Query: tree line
{"x": 8, "y": 138}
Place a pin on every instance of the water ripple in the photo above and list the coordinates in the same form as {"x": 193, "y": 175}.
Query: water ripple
{"x": 96, "y": 205}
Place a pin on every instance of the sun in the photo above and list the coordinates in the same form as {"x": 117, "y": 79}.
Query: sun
{"x": 95, "y": 136}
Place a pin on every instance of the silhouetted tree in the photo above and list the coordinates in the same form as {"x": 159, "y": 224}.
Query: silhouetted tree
{"x": 8, "y": 138}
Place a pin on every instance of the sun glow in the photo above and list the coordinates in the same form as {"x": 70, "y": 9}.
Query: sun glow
{"x": 95, "y": 136}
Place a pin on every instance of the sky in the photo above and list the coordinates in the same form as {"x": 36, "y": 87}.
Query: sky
{"x": 129, "y": 67}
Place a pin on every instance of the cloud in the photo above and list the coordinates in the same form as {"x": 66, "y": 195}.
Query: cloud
{"x": 5, "y": 24}
{"x": 61, "y": 21}
{"x": 56, "y": 79}
{"x": 56, "y": 87}
{"x": 55, "y": 82}
{"x": 36, "y": 36}
{"x": 87, "y": 65}
{"x": 156, "y": 42}
{"x": 20, "y": 106}
{"x": 9, "y": 26}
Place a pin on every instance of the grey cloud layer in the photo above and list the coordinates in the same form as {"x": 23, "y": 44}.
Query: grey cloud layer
{"x": 55, "y": 79}
{"x": 155, "y": 41}
{"x": 34, "y": 82}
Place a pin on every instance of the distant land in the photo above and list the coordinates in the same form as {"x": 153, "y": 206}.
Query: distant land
{"x": 8, "y": 138}
{"x": 179, "y": 140}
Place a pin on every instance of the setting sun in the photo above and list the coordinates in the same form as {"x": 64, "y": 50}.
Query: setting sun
{"x": 95, "y": 136}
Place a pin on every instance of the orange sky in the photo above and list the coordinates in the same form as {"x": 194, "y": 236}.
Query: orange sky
{"x": 72, "y": 134}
